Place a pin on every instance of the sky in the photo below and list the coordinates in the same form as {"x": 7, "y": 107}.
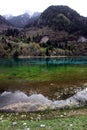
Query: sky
{"x": 16, "y": 7}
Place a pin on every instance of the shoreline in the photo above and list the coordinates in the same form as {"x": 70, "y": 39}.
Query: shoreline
{"x": 25, "y": 57}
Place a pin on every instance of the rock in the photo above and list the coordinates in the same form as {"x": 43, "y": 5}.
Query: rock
{"x": 27, "y": 129}
{"x": 42, "y": 125}
{"x": 1, "y": 119}
{"x": 71, "y": 125}
{"x": 61, "y": 116}
{"x": 24, "y": 123}
{"x": 14, "y": 123}
{"x": 23, "y": 116}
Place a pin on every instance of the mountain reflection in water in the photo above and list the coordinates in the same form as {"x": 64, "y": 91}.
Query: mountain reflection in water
{"x": 36, "y": 102}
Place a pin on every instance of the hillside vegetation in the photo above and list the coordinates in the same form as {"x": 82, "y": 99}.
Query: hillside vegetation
{"x": 58, "y": 31}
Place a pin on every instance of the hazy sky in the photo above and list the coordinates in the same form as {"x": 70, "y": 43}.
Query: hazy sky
{"x": 16, "y": 7}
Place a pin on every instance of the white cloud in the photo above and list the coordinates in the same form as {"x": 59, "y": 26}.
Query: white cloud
{"x": 20, "y": 6}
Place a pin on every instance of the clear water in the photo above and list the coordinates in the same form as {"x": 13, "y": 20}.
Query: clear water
{"x": 56, "y": 78}
{"x": 44, "y": 61}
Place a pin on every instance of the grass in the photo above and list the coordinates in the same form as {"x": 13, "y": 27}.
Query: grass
{"x": 48, "y": 120}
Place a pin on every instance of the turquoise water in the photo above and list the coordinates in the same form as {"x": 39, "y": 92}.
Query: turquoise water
{"x": 48, "y": 76}
{"x": 44, "y": 61}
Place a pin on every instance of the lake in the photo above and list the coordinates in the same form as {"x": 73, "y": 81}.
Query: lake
{"x": 55, "y": 78}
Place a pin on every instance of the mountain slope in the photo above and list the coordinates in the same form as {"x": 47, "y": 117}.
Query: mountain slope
{"x": 33, "y": 19}
{"x": 62, "y": 18}
{"x": 19, "y": 21}
{"x": 3, "y": 21}
{"x": 4, "y": 24}
{"x": 58, "y": 31}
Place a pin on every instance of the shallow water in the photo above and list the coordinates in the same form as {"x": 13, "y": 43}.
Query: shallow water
{"x": 55, "y": 78}
{"x": 44, "y": 61}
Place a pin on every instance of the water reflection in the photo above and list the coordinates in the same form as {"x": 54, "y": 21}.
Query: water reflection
{"x": 44, "y": 61}
{"x": 43, "y": 75}
{"x": 19, "y": 101}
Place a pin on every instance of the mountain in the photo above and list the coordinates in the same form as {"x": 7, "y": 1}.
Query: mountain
{"x": 33, "y": 19}
{"x": 58, "y": 31}
{"x": 62, "y": 18}
{"x": 36, "y": 14}
{"x": 8, "y": 16}
{"x": 59, "y": 23}
{"x": 19, "y": 21}
{"x": 4, "y": 24}
{"x": 3, "y": 20}
{"x": 22, "y": 20}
